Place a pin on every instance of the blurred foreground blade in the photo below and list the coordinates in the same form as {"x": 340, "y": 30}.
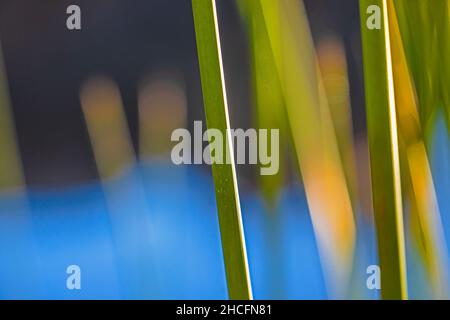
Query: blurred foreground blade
{"x": 267, "y": 95}
{"x": 11, "y": 175}
{"x": 419, "y": 186}
{"x": 107, "y": 126}
{"x": 314, "y": 138}
{"x": 162, "y": 109}
{"x": 122, "y": 183}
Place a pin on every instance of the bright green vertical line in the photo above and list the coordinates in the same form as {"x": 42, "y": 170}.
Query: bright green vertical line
{"x": 384, "y": 152}
{"x": 216, "y": 109}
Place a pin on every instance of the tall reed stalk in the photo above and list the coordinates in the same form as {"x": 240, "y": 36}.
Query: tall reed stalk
{"x": 415, "y": 168}
{"x": 216, "y": 109}
{"x": 384, "y": 151}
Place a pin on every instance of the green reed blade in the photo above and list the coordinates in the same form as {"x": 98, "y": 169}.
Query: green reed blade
{"x": 415, "y": 168}
{"x": 444, "y": 50}
{"x": 267, "y": 96}
{"x": 384, "y": 153}
{"x": 423, "y": 27}
{"x": 216, "y": 110}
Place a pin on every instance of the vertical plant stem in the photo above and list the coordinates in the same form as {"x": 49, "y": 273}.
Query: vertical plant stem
{"x": 216, "y": 109}
{"x": 267, "y": 95}
{"x": 416, "y": 172}
{"x": 384, "y": 153}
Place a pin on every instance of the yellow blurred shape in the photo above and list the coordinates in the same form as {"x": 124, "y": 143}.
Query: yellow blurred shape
{"x": 314, "y": 138}
{"x": 416, "y": 171}
{"x": 11, "y": 175}
{"x": 333, "y": 67}
{"x": 162, "y": 108}
{"x": 107, "y": 126}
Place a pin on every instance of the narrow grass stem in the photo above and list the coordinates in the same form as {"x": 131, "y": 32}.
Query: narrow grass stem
{"x": 216, "y": 109}
{"x": 384, "y": 152}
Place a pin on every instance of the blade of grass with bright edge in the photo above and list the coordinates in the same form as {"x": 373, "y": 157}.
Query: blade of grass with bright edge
{"x": 314, "y": 138}
{"x": 216, "y": 109}
{"x": 384, "y": 153}
{"x": 268, "y": 113}
{"x": 416, "y": 172}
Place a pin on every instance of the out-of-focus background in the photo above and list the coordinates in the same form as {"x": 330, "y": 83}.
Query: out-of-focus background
{"x": 86, "y": 177}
